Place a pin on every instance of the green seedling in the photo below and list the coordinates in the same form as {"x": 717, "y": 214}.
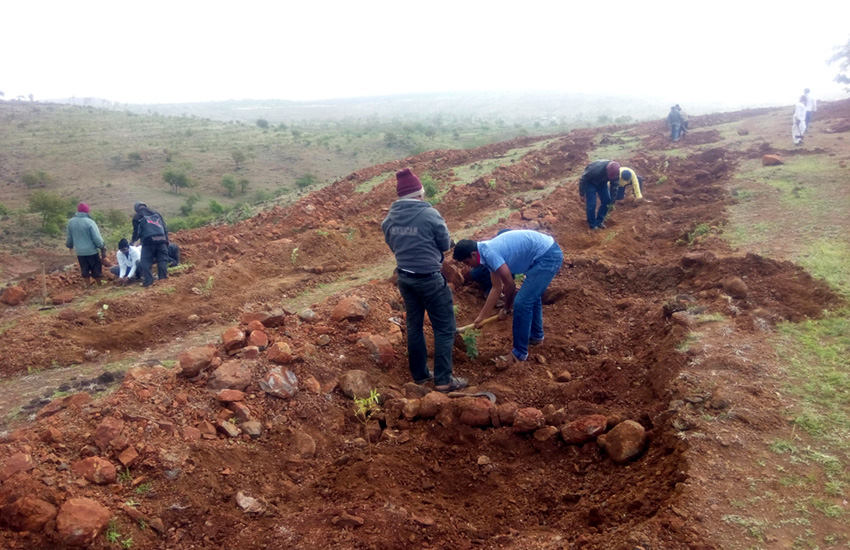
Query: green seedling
{"x": 470, "y": 340}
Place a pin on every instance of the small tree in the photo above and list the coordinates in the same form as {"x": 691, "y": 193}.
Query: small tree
{"x": 53, "y": 209}
{"x": 229, "y": 183}
{"x": 216, "y": 208}
{"x": 238, "y": 158}
{"x": 842, "y": 57}
{"x": 243, "y": 185}
{"x": 262, "y": 123}
{"x": 176, "y": 179}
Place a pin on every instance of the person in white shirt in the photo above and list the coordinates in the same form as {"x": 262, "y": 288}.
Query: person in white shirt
{"x": 128, "y": 258}
{"x": 811, "y": 107}
{"x": 798, "y": 124}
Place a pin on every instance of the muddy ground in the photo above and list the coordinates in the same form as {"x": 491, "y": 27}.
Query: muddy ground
{"x": 616, "y": 318}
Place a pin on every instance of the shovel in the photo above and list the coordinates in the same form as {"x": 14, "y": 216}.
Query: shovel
{"x": 486, "y": 321}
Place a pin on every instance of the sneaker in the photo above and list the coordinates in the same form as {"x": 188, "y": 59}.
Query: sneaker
{"x": 601, "y": 226}
{"x": 424, "y": 381}
{"x": 535, "y": 341}
{"x": 456, "y": 383}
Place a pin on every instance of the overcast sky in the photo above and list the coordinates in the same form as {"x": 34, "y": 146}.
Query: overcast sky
{"x": 741, "y": 52}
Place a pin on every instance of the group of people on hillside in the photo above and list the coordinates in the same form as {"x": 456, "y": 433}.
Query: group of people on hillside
{"x": 134, "y": 262}
{"x": 802, "y": 119}
{"x": 677, "y": 121}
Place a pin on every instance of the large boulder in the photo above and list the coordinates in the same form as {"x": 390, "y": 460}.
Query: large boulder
{"x": 280, "y": 353}
{"x": 528, "y": 419}
{"x": 584, "y": 429}
{"x": 80, "y": 521}
{"x": 379, "y": 348}
{"x": 357, "y": 384}
{"x": 772, "y": 160}
{"x": 28, "y": 513}
{"x": 96, "y": 470}
{"x": 233, "y": 338}
{"x": 283, "y": 384}
{"x": 107, "y": 431}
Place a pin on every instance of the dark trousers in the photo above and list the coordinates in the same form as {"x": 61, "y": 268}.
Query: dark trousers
{"x": 808, "y": 119}
{"x": 481, "y": 275}
{"x": 433, "y": 295}
{"x": 594, "y": 218}
{"x": 173, "y": 255}
{"x": 154, "y": 252}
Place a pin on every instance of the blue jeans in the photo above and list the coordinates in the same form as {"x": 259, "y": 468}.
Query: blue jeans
{"x": 528, "y": 304}
{"x": 595, "y": 219}
{"x": 674, "y": 131}
{"x": 481, "y": 275}
{"x": 433, "y": 295}
{"x": 154, "y": 252}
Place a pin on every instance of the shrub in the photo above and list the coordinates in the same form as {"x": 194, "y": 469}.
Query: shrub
{"x": 217, "y": 208}
{"x": 229, "y": 183}
{"x": 4, "y": 211}
{"x": 262, "y": 123}
{"x": 53, "y": 208}
{"x": 36, "y": 178}
{"x": 430, "y": 186}
{"x": 177, "y": 179}
{"x": 305, "y": 181}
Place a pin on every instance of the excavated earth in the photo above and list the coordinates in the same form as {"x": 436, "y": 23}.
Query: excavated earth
{"x": 315, "y": 476}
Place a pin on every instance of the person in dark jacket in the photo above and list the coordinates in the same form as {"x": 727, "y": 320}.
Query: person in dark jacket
{"x": 417, "y": 235}
{"x": 674, "y": 122}
{"x": 150, "y": 228}
{"x": 593, "y": 183}
{"x": 83, "y": 235}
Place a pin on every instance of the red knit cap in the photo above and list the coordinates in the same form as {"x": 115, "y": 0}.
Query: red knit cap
{"x": 83, "y": 207}
{"x": 613, "y": 170}
{"x": 407, "y": 183}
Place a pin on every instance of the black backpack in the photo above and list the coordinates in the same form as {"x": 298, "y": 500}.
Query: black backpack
{"x": 151, "y": 226}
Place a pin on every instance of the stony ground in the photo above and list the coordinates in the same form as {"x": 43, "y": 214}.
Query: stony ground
{"x": 218, "y": 408}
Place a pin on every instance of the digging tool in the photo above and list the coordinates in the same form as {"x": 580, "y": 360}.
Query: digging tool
{"x": 486, "y": 321}
{"x": 489, "y": 395}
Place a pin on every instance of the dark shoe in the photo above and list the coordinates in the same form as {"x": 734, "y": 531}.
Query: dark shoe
{"x": 535, "y": 341}
{"x": 601, "y": 226}
{"x": 425, "y": 380}
{"x": 455, "y": 384}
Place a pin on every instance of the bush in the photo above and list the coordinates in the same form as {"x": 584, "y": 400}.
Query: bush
{"x": 217, "y": 208}
{"x": 4, "y": 211}
{"x": 229, "y": 183}
{"x": 262, "y": 123}
{"x": 176, "y": 179}
{"x": 430, "y": 186}
{"x": 36, "y": 178}
{"x": 53, "y": 208}
{"x": 262, "y": 196}
{"x": 305, "y": 181}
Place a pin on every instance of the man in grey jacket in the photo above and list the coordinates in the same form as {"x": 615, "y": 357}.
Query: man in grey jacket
{"x": 417, "y": 235}
{"x": 84, "y": 236}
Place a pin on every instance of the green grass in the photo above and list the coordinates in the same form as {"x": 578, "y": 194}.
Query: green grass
{"x": 828, "y": 259}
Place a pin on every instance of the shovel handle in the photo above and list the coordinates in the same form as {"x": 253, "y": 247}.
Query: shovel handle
{"x": 486, "y": 321}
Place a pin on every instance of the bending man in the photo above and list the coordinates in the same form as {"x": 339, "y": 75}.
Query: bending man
{"x": 536, "y": 255}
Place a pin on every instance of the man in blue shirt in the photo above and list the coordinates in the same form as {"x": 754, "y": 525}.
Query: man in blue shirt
{"x": 536, "y": 255}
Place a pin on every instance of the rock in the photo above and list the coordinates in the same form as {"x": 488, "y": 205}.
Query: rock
{"x": 347, "y": 521}
{"x": 276, "y": 318}
{"x": 564, "y": 376}
{"x": 255, "y": 325}
{"x": 379, "y": 348}
{"x": 582, "y": 349}
{"x": 772, "y": 160}
{"x": 233, "y": 375}
{"x": 507, "y": 413}
{"x": 475, "y": 411}
{"x": 253, "y": 428}
{"x": 280, "y": 383}
{"x": 528, "y": 419}
{"x": 96, "y": 470}
{"x": 307, "y": 315}
{"x": 250, "y": 505}
{"x": 250, "y": 317}
{"x": 411, "y": 409}
{"x": 280, "y": 353}
{"x": 27, "y": 513}
{"x": 128, "y": 457}
{"x": 432, "y": 403}
{"x": 351, "y": 308}
{"x": 68, "y": 315}
{"x": 229, "y": 396}
{"x": 13, "y": 295}
{"x": 80, "y": 521}
{"x": 233, "y": 338}
{"x": 107, "y": 431}
{"x": 693, "y": 259}
{"x": 311, "y": 384}
{"x": 228, "y": 428}
{"x": 303, "y": 444}
{"x": 683, "y": 318}
{"x": 624, "y": 442}
{"x": 62, "y": 298}
{"x": 323, "y": 340}
{"x": 734, "y": 287}
{"x": 78, "y": 399}
{"x": 19, "y": 462}
{"x": 584, "y": 429}
{"x": 241, "y": 410}
{"x": 719, "y": 402}
{"x": 194, "y": 360}
{"x": 357, "y": 384}
{"x": 258, "y": 338}
{"x": 453, "y": 275}
{"x": 545, "y": 433}
{"x": 743, "y": 132}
